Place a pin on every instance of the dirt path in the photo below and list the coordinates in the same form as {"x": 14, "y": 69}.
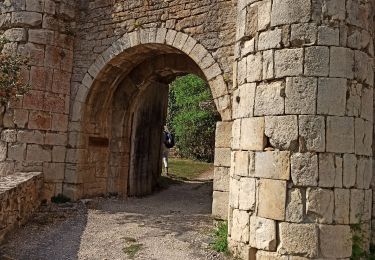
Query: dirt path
{"x": 172, "y": 224}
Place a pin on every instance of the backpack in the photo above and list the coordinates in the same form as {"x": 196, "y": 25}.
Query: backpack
{"x": 168, "y": 140}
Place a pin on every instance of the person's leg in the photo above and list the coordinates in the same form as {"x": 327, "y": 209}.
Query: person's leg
{"x": 165, "y": 162}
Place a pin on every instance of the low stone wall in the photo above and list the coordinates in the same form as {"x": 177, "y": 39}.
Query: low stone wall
{"x": 19, "y": 197}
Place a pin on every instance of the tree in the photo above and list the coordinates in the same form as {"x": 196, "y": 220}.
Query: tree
{"x": 192, "y": 117}
{"x": 11, "y": 84}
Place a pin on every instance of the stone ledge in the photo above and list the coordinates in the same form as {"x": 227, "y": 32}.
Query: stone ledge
{"x": 19, "y": 198}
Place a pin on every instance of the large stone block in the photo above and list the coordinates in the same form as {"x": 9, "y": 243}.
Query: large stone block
{"x": 234, "y": 188}
{"x": 282, "y": 131}
{"x": 330, "y": 170}
{"x": 342, "y": 206}
{"x": 268, "y": 64}
{"x": 332, "y": 96}
{"x": 272, "y": 165}
{"x": 290, "y": 11}
{"x": 299, "y": 239}
{"x": 243, "y": 163}
{"x": 222, "y": 157}
{"x": 367, "y": 111}
{"x": 353, "y": 102}
{"x": 223, "y": 134}
{"x": 288, "y": 62}
{"x": 328, "y": 35}
{"x": 363, "y": 137}
{"x": 304, "y": 169}
{"x": 243, "y": 100}
{"x": 240, "y": 226}
{"x": 53, "y": 172}
{"x": 221, "y": 178}
{"x": 263, "y": 233}
{"x": 269, "y": 40}
{"x": 317, "y": 61}
{"x": 335, "y": 241}
{"x": 295, "y": 206}
{"x": 340, "y": 134}
{"x": 357, "y": 198}
{"x": 312, "y": 133}
{"x": 252, "y": 134}
{"x": 341, "y": 63}
{"x": 364, "y": 173}
{"x": 220, "y": 205}
{"x": 269, "y": 99}
{"x": 37, "y": 153}
{"x": 303, "y": 34}
{"x": 320, "y": 205}
{"x": 254, "y": 67}
{"x": 271, "y": 199}
{"x": 26, "y": 19}
{"x": 300, "y": 95}
{"x": 349, "y": 170}
{"x": 236, "y": 134}
{"x": 247, "y": 194}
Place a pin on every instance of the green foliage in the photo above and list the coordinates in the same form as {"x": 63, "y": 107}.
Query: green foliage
{"x": 59, "y": 199}
{"x": 359, "y": 251}
{"x": 132, "y": 250}
{"x": 11, "y": 67}
{"x": 192, "y": 118}
{"x": 220, "y": 235}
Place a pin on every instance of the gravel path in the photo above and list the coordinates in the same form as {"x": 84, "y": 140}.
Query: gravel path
{"x": 172, "y": 224}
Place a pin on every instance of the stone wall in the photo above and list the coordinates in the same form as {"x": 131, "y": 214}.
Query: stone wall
{"x": 34, "y": 130}
{"x": 20, "y": 196}
{"x": 302, "y": 132}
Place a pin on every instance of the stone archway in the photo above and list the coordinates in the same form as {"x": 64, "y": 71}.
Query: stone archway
{"x": 116, "y": 97}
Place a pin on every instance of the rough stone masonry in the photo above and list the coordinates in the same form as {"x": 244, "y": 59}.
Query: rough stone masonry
{"x": 292, "y": 80}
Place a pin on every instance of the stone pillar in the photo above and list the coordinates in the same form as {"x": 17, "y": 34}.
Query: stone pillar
{"x": 302, "y": 130}
{"x": 34, "y": 130}
{"x": 221, "y": 171}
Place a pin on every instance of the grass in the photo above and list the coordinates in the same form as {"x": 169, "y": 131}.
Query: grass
{"x": 220, "y": 234}
{"x": 188, "y": 169}
{"x": 132, "y": 250}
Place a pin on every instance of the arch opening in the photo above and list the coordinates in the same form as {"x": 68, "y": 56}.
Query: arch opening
{"x": 122, "y": 121}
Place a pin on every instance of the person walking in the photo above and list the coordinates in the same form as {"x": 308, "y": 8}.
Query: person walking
{"x": 168, "y": 143}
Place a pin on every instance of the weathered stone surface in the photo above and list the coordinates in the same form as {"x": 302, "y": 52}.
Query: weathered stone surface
{"x": 252, "y": 134}
{"x": 223, "y": 134}
{"x": 221, "y": 179}
{"x": 243, "y": 163}
{"x": 330, "y": 246}
{"x": 303, "y": 34}
{"x": 328, "y": 35}
{"x": 282, "y": 131}
{"x": 254, "y": 67}
{"x": 367, "y": 111}
{"x": 269, "y": 40}
{"x": 317, "y": 61}
{"x": 349, "y": 170}
{"x": 290, "y": 11}
{"x": 320, "y": 205}
{"x": 268, "y": 64}
{"x": 269, "y": 99}
{"x": 340, "y": 134}
{"x": 342, "y": 206}
{"x": 301, "y": 239}
{"x": 262, "y": 233}
{"x": 332, "y": 96}
{"x": 243, "y": 100}
{"x": 222, "y": 157}
{"x": 330, "y": 170}
{"x": 300, "y": 95}
{"x": 288, "y": 62}
{"x": 353, "y": 102}
{"x": 312, "y": 133}
{"x": 364, "y": 173}
{"x": 240, "y": 226}
{"x": 341, "y": 62}
{"x": 304, "y": 169}
{"x": 247, "y": 194}
{"x": 272, "y": 198}
{"x": 220, "y": 205}
{"x": 27, "y": 19}
{"x": 363, "y": 137}
{"x": 272, "y": 165}
{"x": 357, "y": 198}
{"x": 295, "y": 206}
{"x": 234, "y": 187}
